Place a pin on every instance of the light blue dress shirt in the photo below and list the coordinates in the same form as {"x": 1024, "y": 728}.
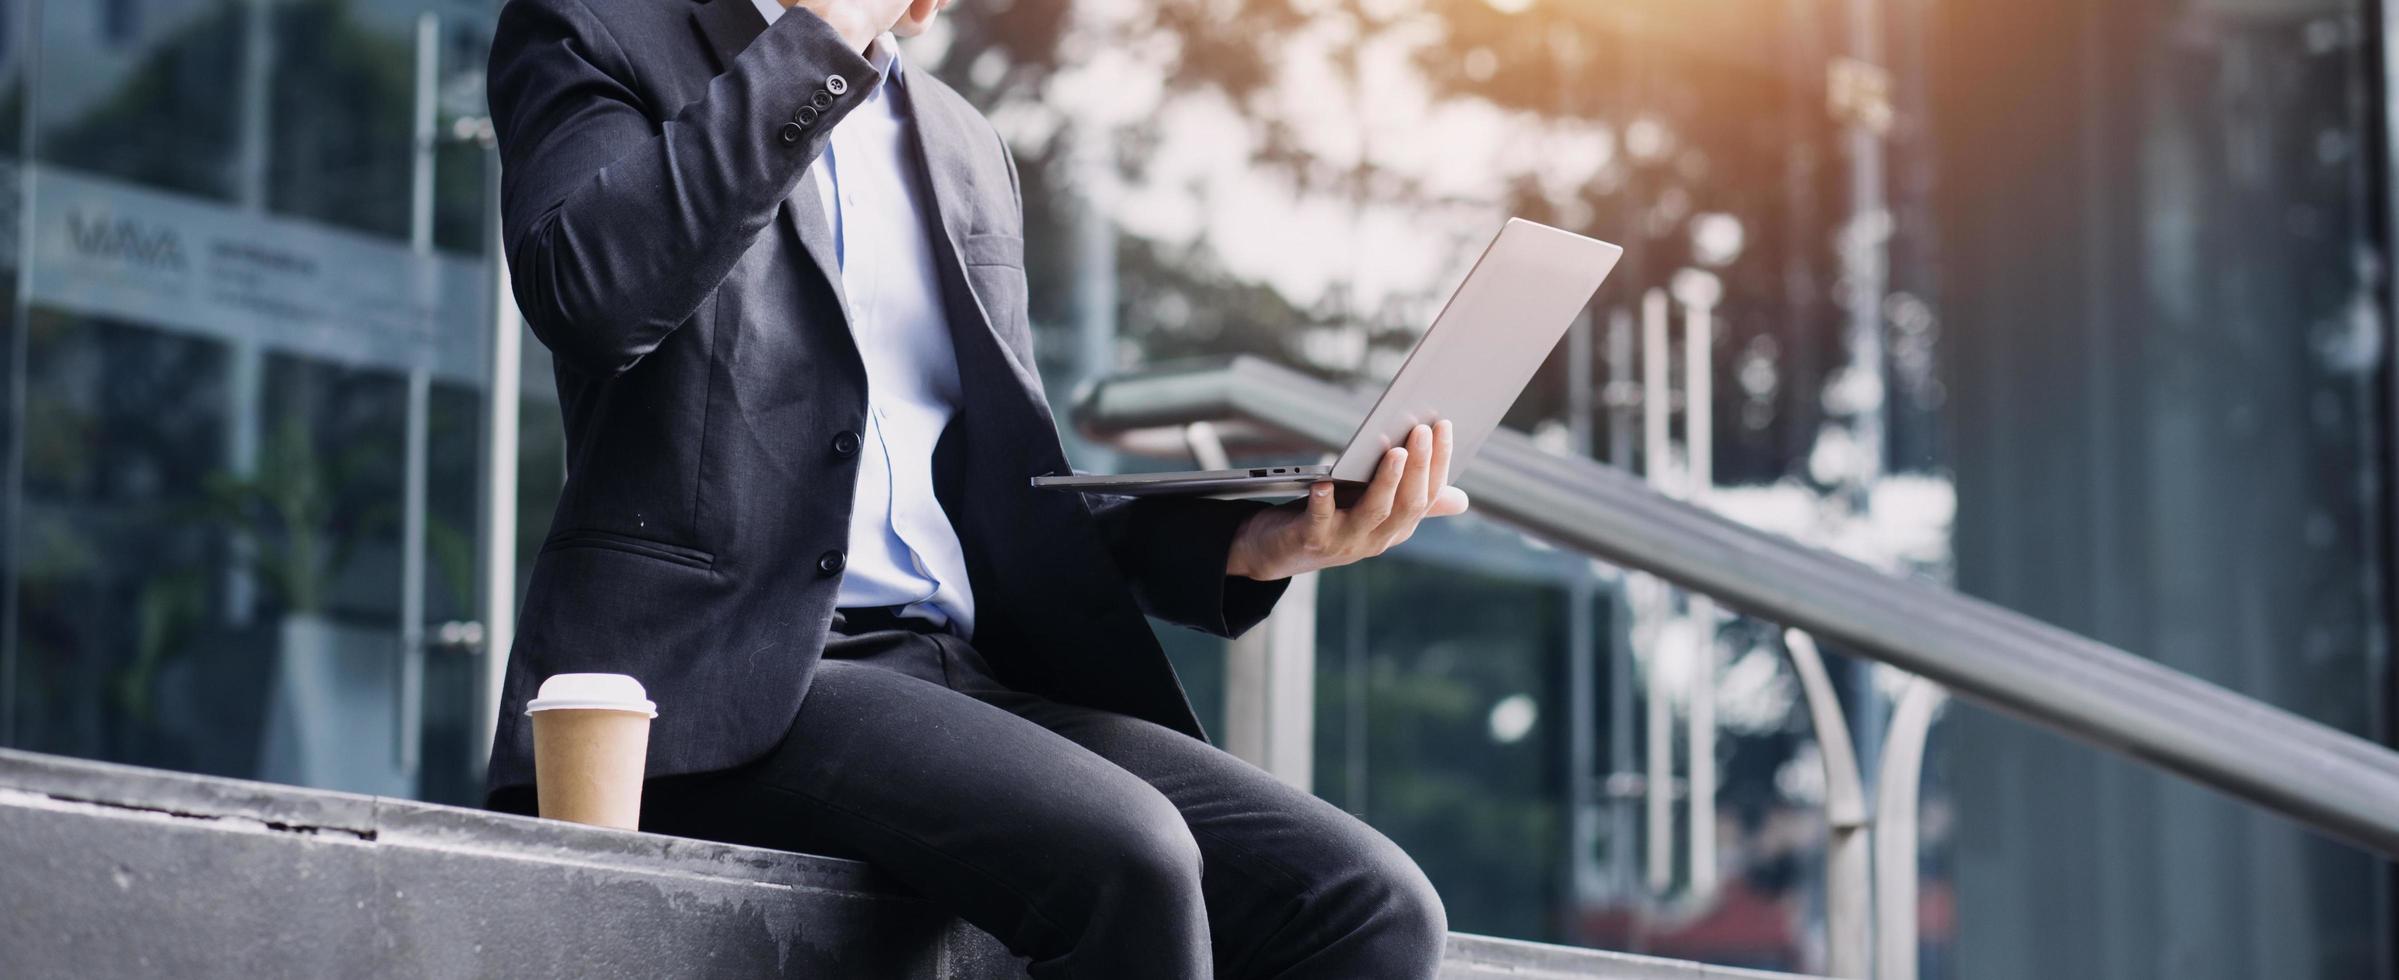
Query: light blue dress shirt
{"x": 903, "y": 551}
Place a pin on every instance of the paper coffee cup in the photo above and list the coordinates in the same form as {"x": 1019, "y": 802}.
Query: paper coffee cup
{"x": 591, "y": 738}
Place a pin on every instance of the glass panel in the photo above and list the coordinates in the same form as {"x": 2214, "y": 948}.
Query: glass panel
{"x": 254, "y": 393}
{"x": 1439, "y": 719}
{"x": 124, "y": 427}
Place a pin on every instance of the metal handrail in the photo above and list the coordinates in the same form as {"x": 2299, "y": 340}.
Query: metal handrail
{"x": 2333, "y": 782}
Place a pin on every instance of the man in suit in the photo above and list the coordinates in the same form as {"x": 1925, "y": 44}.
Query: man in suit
{"x": 782, "y": 276}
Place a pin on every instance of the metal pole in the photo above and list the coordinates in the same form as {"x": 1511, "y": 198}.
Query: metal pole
{"x": 1895, "y": 823}
{"x": 1650, "y": 600}
{"x": 1620, "y": 660}
{"x": 1656, "y": 392}
{"x": 1585, "y": 882}
{"x": 246, "y": 370}
{"x": 1270, "y": 689}
{"x": 1848, "y": 899}
{"x": 1699, "y": 442}
{"x": 408, "y": 715}
{"x": 1866, "y": 265}
{"x": 499, "y": 498}
{"x": 1095, "y": 287}
{"x": 2383, "y": 97}
{"x": 1355, "y": 691}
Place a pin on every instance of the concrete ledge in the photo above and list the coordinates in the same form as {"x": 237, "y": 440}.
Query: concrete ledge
{"x": 114, "y": 871}
{"x": 1471, "y": 957}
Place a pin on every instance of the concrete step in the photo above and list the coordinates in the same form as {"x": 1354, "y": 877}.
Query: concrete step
{"x": 120, "y": 872}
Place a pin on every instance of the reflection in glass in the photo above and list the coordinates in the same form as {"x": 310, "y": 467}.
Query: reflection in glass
{"x": 226, "y": 323}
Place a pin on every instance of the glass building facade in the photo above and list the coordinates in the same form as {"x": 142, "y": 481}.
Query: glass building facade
{"x": 2083, "y": 308}
{"x": 248, "y": 381}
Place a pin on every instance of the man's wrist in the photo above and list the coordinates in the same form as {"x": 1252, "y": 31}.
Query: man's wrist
{"x": 1237, "y": 561}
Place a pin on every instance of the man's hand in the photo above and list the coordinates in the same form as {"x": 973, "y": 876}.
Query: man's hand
{"x": 1412, "y": 484}
{"x": 861, "y": 21}
{"x": 919, "y": 16}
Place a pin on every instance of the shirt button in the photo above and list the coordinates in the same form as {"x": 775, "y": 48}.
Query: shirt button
{"x": 845, "y": 443}
{"x": 790, "y": 134}
{"x": 837, "y": 84}
{"x": 830, "y": 563}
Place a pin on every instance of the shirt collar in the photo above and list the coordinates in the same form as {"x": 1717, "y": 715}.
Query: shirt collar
{"x": 883, "y": 53}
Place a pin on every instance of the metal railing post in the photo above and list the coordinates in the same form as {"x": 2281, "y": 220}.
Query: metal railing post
{"x": 1698, "y": 291}
{"x": 1895, "y": 834}
{"x": 1652, "y": 604}
{"x": 1270, "y": 689}
{"x": 496, "y": 505}
{"x": 1848, "y": 851}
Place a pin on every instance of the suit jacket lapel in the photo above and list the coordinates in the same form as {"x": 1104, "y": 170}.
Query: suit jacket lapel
{"x": 804, "y": 211}
{"x": 942, "y": 139}
{"x": 728, "y": 27}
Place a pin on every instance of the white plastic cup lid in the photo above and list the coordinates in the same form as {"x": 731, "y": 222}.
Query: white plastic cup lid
{"x": 609, "y": 692}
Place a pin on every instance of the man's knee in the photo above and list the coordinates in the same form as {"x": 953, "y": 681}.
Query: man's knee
{"x": 1401, "y": 900}
{"x": 1121, "y": 843}
{"x": 1145, "y": 852}
{"x": 1389, "y": 912}
{"x": 1123, "y": 898}
{"x": 1412, "y": 907}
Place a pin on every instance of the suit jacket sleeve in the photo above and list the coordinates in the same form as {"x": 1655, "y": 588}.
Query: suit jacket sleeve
{"x": 617, "y": 225}
{"x": 1173, "y": 550}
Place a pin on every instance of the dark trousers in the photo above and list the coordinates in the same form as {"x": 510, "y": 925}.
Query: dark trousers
{"x": 1092, "y": 843}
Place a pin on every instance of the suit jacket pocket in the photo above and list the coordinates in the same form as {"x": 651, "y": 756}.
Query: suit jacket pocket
{"x": 629, "y": 544}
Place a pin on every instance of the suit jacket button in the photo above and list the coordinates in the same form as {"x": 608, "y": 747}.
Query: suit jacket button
{"x": 821, "y": 100}
{"x": 791, "y": 134}
{"x": 805, "y": 117}
{"x": 830, "y": 563}
{"x": 837, "y": 84}
{"x": 845, "y": 443}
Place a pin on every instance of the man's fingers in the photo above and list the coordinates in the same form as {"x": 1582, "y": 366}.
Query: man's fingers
{"x": 916, "y": 17}
{"x": 1415, "y": 485}
{"x": 1375, "y": 505}
{"x": 1408, "y": 485}
{"x": 1444, "y": 439}
{"x": 1450, "y": 502}
{"x": 1322, "y": 516}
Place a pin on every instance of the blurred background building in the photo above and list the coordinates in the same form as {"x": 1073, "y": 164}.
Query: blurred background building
{"x": 2080, "y": 307}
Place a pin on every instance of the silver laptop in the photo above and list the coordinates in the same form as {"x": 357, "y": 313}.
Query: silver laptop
{"x": 1468, "y": 368}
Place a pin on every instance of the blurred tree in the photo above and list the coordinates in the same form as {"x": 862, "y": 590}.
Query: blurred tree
{"x": 1695, "y": 135}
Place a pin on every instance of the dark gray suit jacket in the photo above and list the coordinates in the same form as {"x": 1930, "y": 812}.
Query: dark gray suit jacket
{"x": 712, "y": 394}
